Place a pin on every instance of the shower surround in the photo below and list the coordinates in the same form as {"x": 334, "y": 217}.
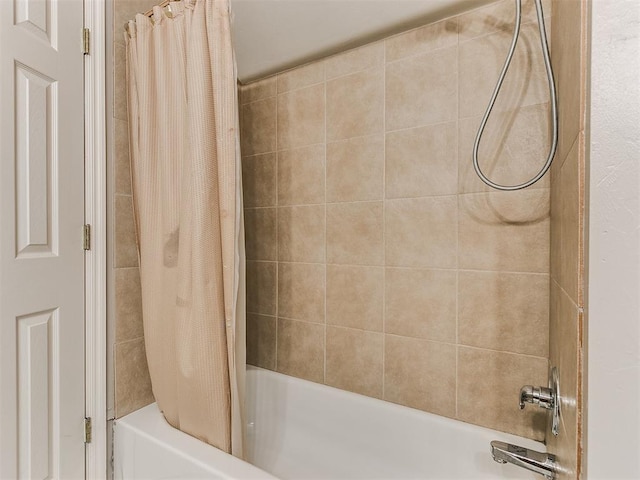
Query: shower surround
{"x": 377, "y": 261}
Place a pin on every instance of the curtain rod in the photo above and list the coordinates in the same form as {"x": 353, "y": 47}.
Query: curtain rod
{"x": 149, "y": 13}
{"x": 161, "y": 5}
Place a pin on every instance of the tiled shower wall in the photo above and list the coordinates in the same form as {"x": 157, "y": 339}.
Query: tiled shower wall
{"x": 569, "y": 34}
{"x": 377, "y": 261}
{"x": 131, "y": 385}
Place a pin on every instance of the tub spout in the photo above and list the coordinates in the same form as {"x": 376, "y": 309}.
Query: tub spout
{"x": 541, "y": 463}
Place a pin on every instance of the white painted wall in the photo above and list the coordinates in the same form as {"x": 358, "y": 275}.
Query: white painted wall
{"x": 613, "y": 391}
{"x": 272, "y": 35}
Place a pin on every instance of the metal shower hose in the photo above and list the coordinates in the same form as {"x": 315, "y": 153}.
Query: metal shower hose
{"x": 496, "y": 91}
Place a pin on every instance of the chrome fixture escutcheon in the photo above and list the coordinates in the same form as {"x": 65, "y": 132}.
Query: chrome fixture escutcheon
{"x": 545, "y": 397}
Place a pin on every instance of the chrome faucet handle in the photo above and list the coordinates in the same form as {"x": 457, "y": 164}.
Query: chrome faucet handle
{"x": 542, "y": 396}
{"x": 545, "y": 397}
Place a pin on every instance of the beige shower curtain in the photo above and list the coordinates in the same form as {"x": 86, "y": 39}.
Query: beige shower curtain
{"x": 187, "y": 198}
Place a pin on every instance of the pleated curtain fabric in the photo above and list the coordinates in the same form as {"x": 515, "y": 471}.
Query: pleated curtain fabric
{"x": 185, "y": 165}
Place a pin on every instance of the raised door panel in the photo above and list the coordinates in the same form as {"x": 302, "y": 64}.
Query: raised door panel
{"x": 39, "y": 17}
{"x": 36, "y": 163}
{"x": 38, "y": 353}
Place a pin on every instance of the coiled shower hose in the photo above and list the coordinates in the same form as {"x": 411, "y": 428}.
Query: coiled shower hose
{"x": 496, "y": 91}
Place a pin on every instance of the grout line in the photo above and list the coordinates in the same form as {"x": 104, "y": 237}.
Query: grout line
{"x": 359, "y": 70}
{"x": 506, "y": 352}
{"x": 325, "y": 226}
{"x": 268, "y": 97}
{"x": 393, "y": 199}
{"x": 277, "y": 280}
{"x": 261, "y": 154}
{"x": 427, "y": 51}
{"x": 384, "y": 214}
{"x": 135, "y": 267}
{"x": 423, "y": 125}
{"x": 518, "y": 108}
{"x": 456, "y": 371}
{"x": 129, "y": 340}
{"x": 401, "y": 267}
{"x": 268, "y": 315}
{"x": 291, "y": 319}
{"x": 355, "y": 137}
{"x": 297, "y": 89}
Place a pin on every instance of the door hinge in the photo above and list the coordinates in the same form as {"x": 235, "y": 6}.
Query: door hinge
{"x": 87, "y": 430}
{"x": 86, "y": 39}
{"x": 86, "y": 237}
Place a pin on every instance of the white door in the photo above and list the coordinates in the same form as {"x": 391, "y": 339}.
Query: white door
{"x": 41, "y": 255}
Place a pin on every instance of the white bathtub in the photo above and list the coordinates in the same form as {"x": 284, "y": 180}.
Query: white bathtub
{"x": 302, "y": 430}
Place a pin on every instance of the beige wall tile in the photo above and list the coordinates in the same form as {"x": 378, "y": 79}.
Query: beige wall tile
{"x": 434, "y": 390}
{"x": 301, "y": 232}
{"x": 301, "y": 174}
{"x": 352, "y": 61}
{"x": 421, "y": 90}
{"x": 261, "y": 287}
{"x": 259, "y": 90}
{"x": 354, "y": 233}
{"x": 565, "y": 319}
{"x": 301, "y": 291}
{"x": 494, "y": 379}
{"x": 133, "y": 385}
{"x": 504, "y": 311}
{"x": 421, "y": 303}
{"x": 122, "y": 177}
{"x": 481, "y": 60}
{"x": 354, "y": 360}
{"x": 555, "y": 229}
{"x": 119, "y": 82}
{"x": 126, "y": 249}
{"x": 355, "y": 169}
{"x": 128, "y": 304}
{"x": 514, "y": 148}
{"x": 421, "y": 232}
{"x": 258, "y": 124}
{"x": 355, "y": 296}
{"x": 497, "y": 17}
{"x": 301, "y": 349}
{"x": 301, "y": 117}
{"x": 505, "y": 231}
{"x": 355, "y": 105}
{"x": 260, "y": 233}
{"x": 300, "y": 77}
{"x": 566, "y": 227}
{"x": 259, "y": 180}
{"x": 567, "y": 60}
{"x": 422, "y": 161}
{"x": 261, "y": 341}
{"x": 422, "y": 40}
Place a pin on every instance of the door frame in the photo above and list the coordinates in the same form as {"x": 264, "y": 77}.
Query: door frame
{"x": 96, "y": 256}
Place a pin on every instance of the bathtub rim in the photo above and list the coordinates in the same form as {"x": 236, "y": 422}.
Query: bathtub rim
{"x": 149, "y": 420}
